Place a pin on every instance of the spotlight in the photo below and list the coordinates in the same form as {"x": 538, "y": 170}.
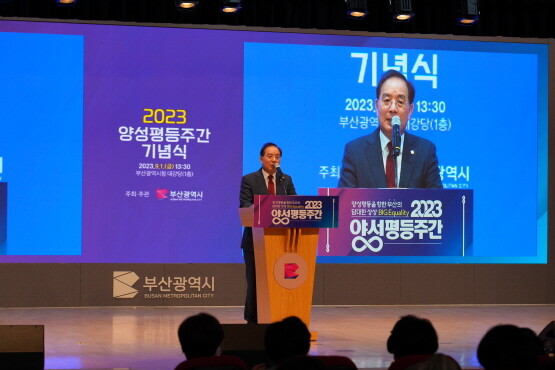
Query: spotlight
{"x": 66, "y": 2}
{"x": 231, "y": 6}
{"x": 186, "y": 5}
{"x": 402, "y": 10}
{"x": 469, "y": 12}
{"x": 357, "y": 9}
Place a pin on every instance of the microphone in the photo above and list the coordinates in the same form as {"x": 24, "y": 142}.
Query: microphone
{"x": 279, "y": 173}
{"x": 396, "y": 135}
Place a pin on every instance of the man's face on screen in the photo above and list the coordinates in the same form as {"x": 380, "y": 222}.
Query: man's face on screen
{"x": 393, "y": 101}
{"x": 270, "y": 158}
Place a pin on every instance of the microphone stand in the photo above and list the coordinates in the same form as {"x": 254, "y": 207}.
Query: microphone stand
{"x": 395, "y": 157}
{"x": 279, "y": 178}
{"x": 396, "y": 142}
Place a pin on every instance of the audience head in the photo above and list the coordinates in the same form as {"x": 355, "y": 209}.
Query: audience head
{"x": 508, "y": 347}
{"x": 412, "y": 335}
{"x": 287, "y": 338}
{"x": 200, "y": 335}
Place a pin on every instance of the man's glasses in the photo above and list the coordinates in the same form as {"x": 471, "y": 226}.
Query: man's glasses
{"x": 400, "y": 103}
{"x": 270, "y": 156}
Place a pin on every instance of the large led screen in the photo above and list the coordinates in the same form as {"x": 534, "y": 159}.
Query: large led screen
{"x": 127, "y": 144}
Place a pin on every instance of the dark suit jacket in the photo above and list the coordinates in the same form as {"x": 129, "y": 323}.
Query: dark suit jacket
{"x": 254, "y": 184}
{"x": 363, "y": 163}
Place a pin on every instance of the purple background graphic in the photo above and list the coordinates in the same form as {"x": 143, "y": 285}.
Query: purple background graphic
{"x": 129, "y": 69}
{"x": 165, "y": 72}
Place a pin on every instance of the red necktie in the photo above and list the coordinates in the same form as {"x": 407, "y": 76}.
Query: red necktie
{"x": 389, "y": 171}
{"x": 271, "y": 187}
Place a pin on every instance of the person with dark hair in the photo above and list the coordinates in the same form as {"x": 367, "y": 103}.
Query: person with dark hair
{"x": 286, "y": 339}
{"x": 200, "y": 335}
{"x": 412, "y": 340}
{"x": 267, "y": 180}
{"x": 368, "y": 160}
{"x": 508, "y": 347}
{"x": 201, "y": 338}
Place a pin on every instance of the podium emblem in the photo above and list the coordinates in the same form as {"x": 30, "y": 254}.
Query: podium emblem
{"x": 290, "y": 271}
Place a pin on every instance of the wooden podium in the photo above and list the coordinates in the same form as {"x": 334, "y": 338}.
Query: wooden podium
{"x": 285, "y": 255}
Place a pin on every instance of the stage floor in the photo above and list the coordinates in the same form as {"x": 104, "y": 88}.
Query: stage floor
{"x": 144, "y": 338}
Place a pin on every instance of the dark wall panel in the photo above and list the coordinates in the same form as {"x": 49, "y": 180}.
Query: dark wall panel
{"x": 550, "y": 285}
{"x": 318, "y": 296}
{"x": 229, "y": 287}
{"x": 163, "y": 284}
{"x": 361, "y": 284}
{"x": 511, "y": 284}
{"x": 40, "y": 285}
{"x": 437, "y": 284}
{"x": 100, "y": 288}
{"x": 74, "y": 285}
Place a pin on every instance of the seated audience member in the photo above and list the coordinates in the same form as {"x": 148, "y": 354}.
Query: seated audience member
{"x": 286, "y": 339}
{"x": 300, "y": 363}
{"x": 334, "y": 362}
{"x": 508, "y": 347}
{"x": 412, "y": 340}
{"x": 201, "y": 337}
{"x": 544, "y": 359}
{"x": 439, "y": 361}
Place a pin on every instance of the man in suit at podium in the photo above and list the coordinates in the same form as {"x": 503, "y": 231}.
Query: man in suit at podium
{"x": 267, "y": 180}
{"x": 365, "y": 161}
